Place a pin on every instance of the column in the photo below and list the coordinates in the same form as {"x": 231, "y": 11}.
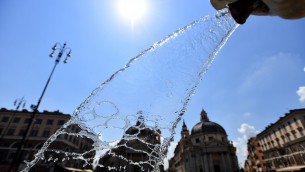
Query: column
{"x": 229, "y": 162}
{"x": 195, "y": 160}
{"x": 189, "y": 167}
{"x": 211, "y": 162}
{"x": 205, "y": 163}
{"x": 224, "y": 162}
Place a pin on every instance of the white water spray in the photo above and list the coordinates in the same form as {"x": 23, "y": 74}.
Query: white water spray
{"x": 149, "y": 94}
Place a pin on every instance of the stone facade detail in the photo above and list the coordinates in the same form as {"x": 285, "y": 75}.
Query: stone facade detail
{"x": 206, "y": 149}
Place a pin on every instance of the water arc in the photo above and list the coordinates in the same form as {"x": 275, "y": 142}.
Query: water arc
{"x": 142, "y": 103}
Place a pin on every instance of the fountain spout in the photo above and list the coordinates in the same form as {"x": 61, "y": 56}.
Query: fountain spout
{"x": 242, "y": 9}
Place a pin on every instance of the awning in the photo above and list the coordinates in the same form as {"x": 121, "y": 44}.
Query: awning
{"x": 77, "y": 170}
{"x": 292, "y": 168}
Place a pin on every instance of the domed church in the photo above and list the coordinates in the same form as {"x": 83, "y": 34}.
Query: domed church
{"x": 206, "y": 149}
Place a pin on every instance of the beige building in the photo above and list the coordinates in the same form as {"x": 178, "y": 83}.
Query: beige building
{"x": 206, "y": 149}
{"x": 283, "y": 142}
{"x": 13, "y": 125}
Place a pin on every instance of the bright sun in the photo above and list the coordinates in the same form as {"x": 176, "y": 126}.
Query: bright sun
{"x": 132, "y": 9}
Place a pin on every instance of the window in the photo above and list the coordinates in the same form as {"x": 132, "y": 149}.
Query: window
{"x": 301, "y": 131}
{"x": 34, "y": 133}
{"x": 294, "y": 134}
{"x": 283, "y": 138}
{"x": 1, "y": 129}
{"x": 61, "y": 122}
{"x": 288, "y": 137}
{"x": 46, "y": 133}
{"x": 21, "y": 132}
{"x": 16, "y": 120}
{"x": 12, "y": 155}
{"x": 50, "y": 121}
{"x": 197, "y": 140}
{"x": 38, "y": 121}
{"x": 279, "y": 129}
{"x": 27, "y": 120}
{"x": 277, "y": 141}
{"x": 136, "y": 168}
{"x": 10, "y": 132}
{"x": 5, "y": 119}
{"x": 211, "y": 138}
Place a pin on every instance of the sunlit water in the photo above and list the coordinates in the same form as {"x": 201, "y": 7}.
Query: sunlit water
{"x": 150, "y": 94}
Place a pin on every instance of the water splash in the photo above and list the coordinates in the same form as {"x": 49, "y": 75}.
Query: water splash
{"x": 137, "y": 109}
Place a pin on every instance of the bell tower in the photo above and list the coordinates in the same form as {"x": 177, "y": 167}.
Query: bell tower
{"x": 184, "y": 132}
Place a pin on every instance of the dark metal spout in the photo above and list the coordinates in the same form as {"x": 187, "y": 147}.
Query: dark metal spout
{"x": 241, "y": 10}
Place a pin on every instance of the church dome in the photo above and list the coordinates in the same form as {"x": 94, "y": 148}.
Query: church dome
{"x": 205, "y": 126}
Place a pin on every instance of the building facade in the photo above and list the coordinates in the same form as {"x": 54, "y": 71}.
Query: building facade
{"x": 12, "y": 127}
{"x": 282, "y": 144}
{"x": 255, "y": 160}
{"x": 135, "y": 152}
{"x": 205, "y": 149}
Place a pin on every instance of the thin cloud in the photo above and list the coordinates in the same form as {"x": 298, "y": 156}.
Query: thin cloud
{"x": 301, "y": 94}
{"x": 247, "y": 114}
{"x": 247, "y": 131}
{"x": 241, "y": 149}
{"x": 170, "y": 154}
{"x": 268, "y": 69}
{"x": 240, "y": 143}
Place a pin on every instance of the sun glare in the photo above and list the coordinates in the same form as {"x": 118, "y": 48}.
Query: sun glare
{"x": 132, "y": 9}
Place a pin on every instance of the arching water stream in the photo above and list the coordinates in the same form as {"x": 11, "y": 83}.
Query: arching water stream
{"x": 140, "y": 104}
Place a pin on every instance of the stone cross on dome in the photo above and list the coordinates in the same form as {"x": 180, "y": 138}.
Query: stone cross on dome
{"x": 204, "y": 116}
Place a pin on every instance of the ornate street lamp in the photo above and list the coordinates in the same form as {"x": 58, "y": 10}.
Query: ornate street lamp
{"x": 61, "y": 49}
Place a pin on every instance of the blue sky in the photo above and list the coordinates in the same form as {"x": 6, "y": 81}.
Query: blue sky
{"x": 252, "y": 82}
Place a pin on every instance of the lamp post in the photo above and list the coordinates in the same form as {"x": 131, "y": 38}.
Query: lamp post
{"x": 17, "y": 103}
{"x": 62, "y": 50}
